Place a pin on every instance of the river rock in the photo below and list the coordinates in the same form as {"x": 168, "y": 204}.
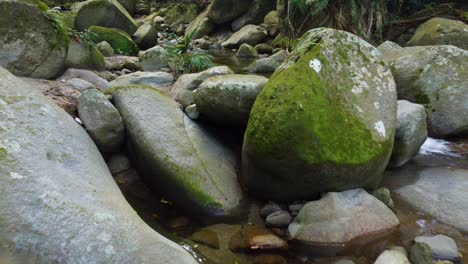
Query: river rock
{"x": 180, "y": 14}
{"x": 270, "y": 64}
{"x": 392, "y": 257}
{"x": 118, "y": 163}
{"x": 177, "y": 156}
{"x": 228, "y": 99}
{"x": 146, "y": 36}
{"x": 279, "y": 219}
{"x": 441, "y": 31}
{"x": 255, "y": 13}
{"x": 301, "y": 141}
{"x": 86, "y": 75}
{"x": 104, "y": 13}
{"x": 200, "y": 27}
{"x": 102, "y": 121}
{"x": 105, "y": 48}
{"x": 154, "y": 59}
{"x": 192, "y": 111}
{"x": 121, "y": 62}
{"x": 152, "y": 79}
{"x": 222, "y": 11}
{"x": 30, "y": 45}
{"x": 264, "y": 48}
{"x": 250, "y": 34}
{"x": 410, "y": 133}
{"x": 442, "y": 247}
{"x": 80, "y": 84}
{"x": 246, "y": 51}
{"x": 436, "y": 77}
{"x": 420, "y": 253}
{"x": 270, "y": 208}
{"x": 389, "y": 48}
{"x": 120, "y": 41}
{"x": 339, "y": 218}
{"x": 384, "y": 195}
{"x": 256, "y": 238}
{"x": 61, "y": 204}
{"x": 437, "y": 191}
{"x": 271, "y": 22}
{"x": 84, "y": 55}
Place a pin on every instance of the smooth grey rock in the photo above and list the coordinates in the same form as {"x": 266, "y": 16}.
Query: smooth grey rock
{"x": 410, "y": 133}
{"x": 84, "y": 56}
{"x": 442, "y": 247}
{"x": 184, "y": 83}
{"x": 146, "y": 36}
{"x": 392, "y": 257}
{"x": 185, "y": 98}
{"x": 228, "y": 99}
{"x": 279, "y": 219}
{"x": 270, "y": 208}
{"x": 200, "y": 27}
{"x": 192, "y": 112}
{"x": 89, "y": 76}
{"x": 384, "y": 195}
{"x": 80, "y": 84}
{"x": 59, "y": 202}
{"x": 102, "y": 121}
{"x": 176, "y": 155}
{"x": 436, "y": 77}
{"x": 441, "y": 31}
{"x": 246, "y": 51}
{"x": 152, "y": 79}
{"x": 420, "y": 253}
{"x": 438, "y": 191}
{"x": 339, "y": 218}
{"x": 389, "y": 48}
{"x": 118, "y": 162}
{"x": 270, "y": 64}
{"x": 250, "y": 34}
{"x": 105, "y": 48}
{"x": 154, "y": 59}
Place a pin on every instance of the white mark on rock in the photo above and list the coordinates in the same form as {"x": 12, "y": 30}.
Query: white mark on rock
{"x": 380, "y": 127}
{"x": 78, "y": 121}
{"x": 377, "y": 105}
{"x": 316, "y": 65}
{"x": 16, "y": 176}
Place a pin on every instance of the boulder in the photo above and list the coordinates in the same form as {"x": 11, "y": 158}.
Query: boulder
{"x": 389, "y": 49}
{"x": 146, "y": 36}
{"x": 104, "y": 13}
{"x": 324, "y": 121}
{"x": 202, "y": 25}
{"x": 120, "y": 41}
{"x": 152, "y": 79}
{"x": 441, "y": 31}
{"x": 176, "y": 156}
{"x": 246, "y": 51}
{"x": 180, "y": 14}
{"x": 338, "y": 219}
{"x": 255, "y": 13}
{"x": 118, "y": 63}
{"x": 421, "y": 254}
{"x": 264, "y": 48}
{"x": 30, "y": 45}
{"x": 61, "y": 204}
{"x": 222, "y": 11}
{"x": 437, "y": 191}
{"x": 270, "y": 64}
{"x": 271, "y": 22}
{"x": 228, "y": 99}
{"x": 436, "y": 77}
{"x": 385, "y": 196}
{"x": 392, "y": 257}
{"x": 192, "y": 111}
{"x": 442, "y": 247}
{"x": 118, "y": 163}
{"x": 154, "y": 59}
{"x": 101, "y": 120}
{"x": 86, "y": 75}
{"x": 80, "y": 84}
{"x": 105, "y": 48}
{"x": 84, "y": 55}
{"x": 410, "y": 133}
{"x": 250, "y": 34}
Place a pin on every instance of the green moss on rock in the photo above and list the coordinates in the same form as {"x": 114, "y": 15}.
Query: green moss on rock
{"x": 120, "y": 41}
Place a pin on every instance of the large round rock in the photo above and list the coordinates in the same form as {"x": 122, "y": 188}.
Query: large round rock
{"x": 30, "y": 44}
{"x": 228, "y": 99}
{"x": 58, "y": 200}
{"x": 324, "y": 121}
{"x": 177, "y": 156}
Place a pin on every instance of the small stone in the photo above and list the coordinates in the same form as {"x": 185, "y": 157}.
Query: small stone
{"x": 246, "y": 51}
{"x": 264, "y": 49}
{"x": 296, "y": 206}
{"x": 442, "y": 247}
{"x": 185, "y": 98}
{"x": 105, "y": 48}
{"x": 384, "y": 195}
{"x": 206, "y": 237}
{"x": 126, "y": 71}
{"x": 118, "y": 163}
{"x": 392, "y": 257}
{"x": 279, "y": 219}
{"x": 421, "y": 254}
{"x": 270, "y": 208}
{"x": 256, "y": 238}
{"x": 192, "y": 112}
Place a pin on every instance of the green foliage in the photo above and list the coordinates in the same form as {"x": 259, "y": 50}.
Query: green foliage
{"x": 183, "y": 58}
{"x": 285, "y": 42}
{"x": 86, "y": 37}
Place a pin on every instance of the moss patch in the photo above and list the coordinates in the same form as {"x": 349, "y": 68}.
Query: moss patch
{"x": 120, "y": 41}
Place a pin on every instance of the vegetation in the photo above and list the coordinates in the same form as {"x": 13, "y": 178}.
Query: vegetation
{"x": 184, "y": 58}
{"x": 285, "y": 42}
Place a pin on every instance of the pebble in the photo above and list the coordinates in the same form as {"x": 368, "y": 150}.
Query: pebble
{"x": 269, "y": 208}
{"x": 279, "y": 219}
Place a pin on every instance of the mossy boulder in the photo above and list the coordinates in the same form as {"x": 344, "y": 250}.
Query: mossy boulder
{"x": 436, "y": 77}
{"x": 324, "y": 121}
{"x": 146, "y": 36}
{"x": 154, "y": 59}
{"x": 271, "y": 22}
{"x": 202, "y": 24}
{"x": 58, "y": 199}
{"x": 85, "y": 56}
{"x": 105, "y": 48}
{"x": 180, "y": 13}
{"x": 176, "y": 156}
{"x": 228, "y": 99}
{"x": 31, "y": 44}
{"x": 255, "y": 13}
{"x": 104, "y": 13}
{"x": 441, "y": 31}
{"x": 120, "y": 41}
{"x": 250, "y": 34}
{"x": 246, "y": 51}
{"x": 222, "y": 11}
